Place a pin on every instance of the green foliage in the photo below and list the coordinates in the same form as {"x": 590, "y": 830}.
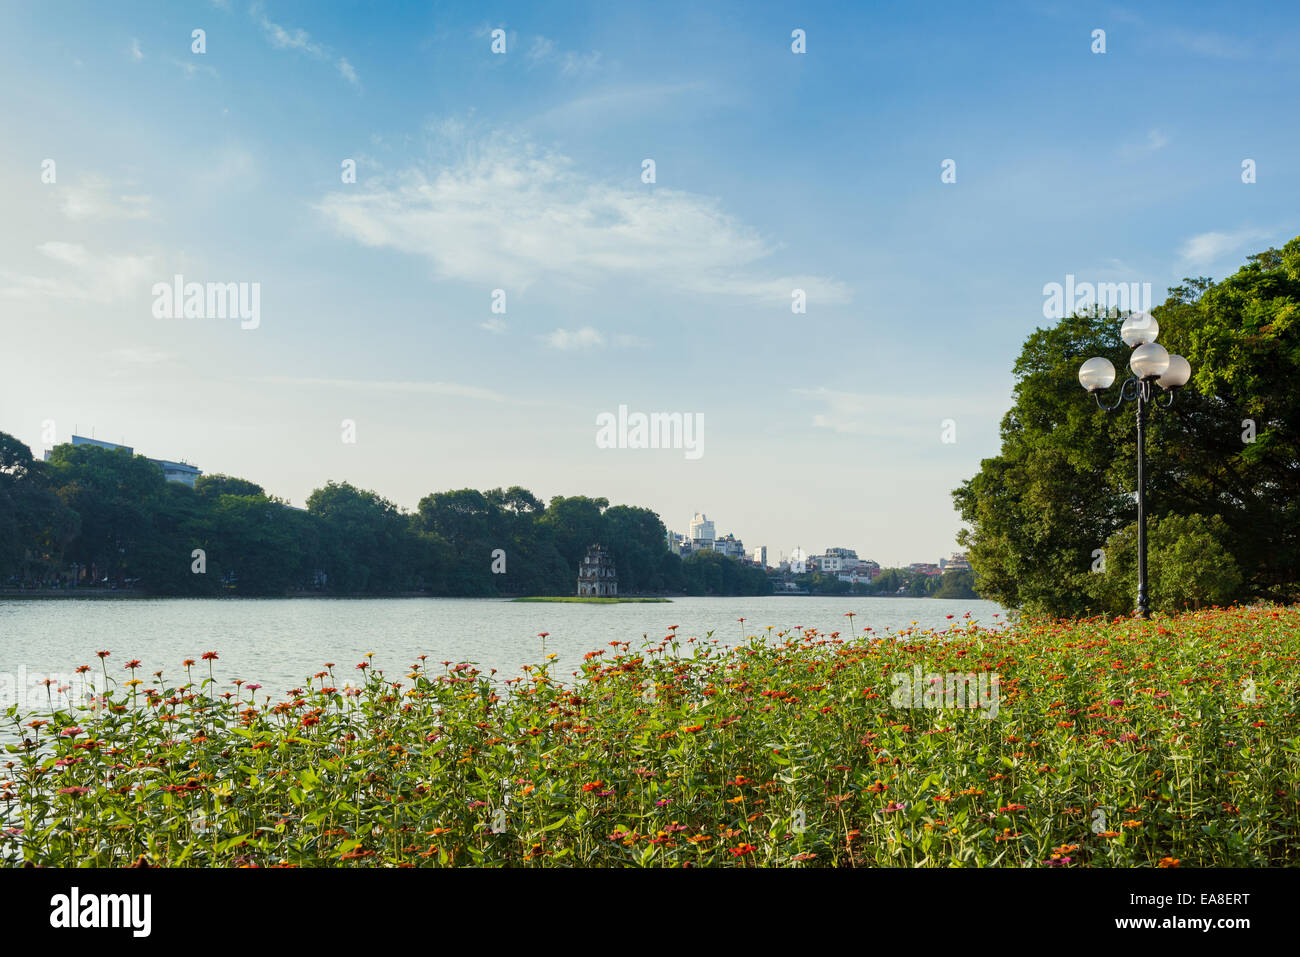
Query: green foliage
{"x": 1187, "y": 562}
{"x": 35, "y": 525}
{"x": 958, "y": 584}
{"x": 1061, "y": 485}
{"x": 112, "y": 514}
{"x": 712, "y": 573}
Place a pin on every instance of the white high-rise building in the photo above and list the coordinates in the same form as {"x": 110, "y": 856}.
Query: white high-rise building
{"x": 701, "y": 528}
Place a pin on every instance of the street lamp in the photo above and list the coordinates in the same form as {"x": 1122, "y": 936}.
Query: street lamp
{"x": 1150, "y": 364}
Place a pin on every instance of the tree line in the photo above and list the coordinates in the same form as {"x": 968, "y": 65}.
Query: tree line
{"x": 1052, "y": 518}
{"x": 106, "y": 517}
{"x": 893, "y": 582}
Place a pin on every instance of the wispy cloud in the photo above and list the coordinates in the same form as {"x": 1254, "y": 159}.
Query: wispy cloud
{"x": 136, "y": 53}
{"x": 505, "y": 212}
{"x": 85, "y": 275}
{"x": 380, "y": 385}
{"x": 1207, "y": 249}
{"x": 1155, "y": 141}
{"x": 192, "y": 68}
{"x": 543, "y": 52}
{"x": 284, "y": 38}
{"x": 897, "y": 415}
{"x": 584, "y": 338}
{"x": 1209, "y": 44}
{"x": 640, "y": 99}
{"x": 94, "y": 198}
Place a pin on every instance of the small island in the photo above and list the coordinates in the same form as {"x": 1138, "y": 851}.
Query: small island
{"x": 597, "y": 582}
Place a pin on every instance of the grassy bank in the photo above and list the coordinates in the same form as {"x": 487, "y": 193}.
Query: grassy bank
{"x": 1108, "y": 744}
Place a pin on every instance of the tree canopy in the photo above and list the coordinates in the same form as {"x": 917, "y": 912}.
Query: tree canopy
{"x": 1228, "y": 451}
{"x": 95, "y": 515}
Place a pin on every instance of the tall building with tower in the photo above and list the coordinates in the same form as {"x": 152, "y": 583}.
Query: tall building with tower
{"x": 702, "y": 528}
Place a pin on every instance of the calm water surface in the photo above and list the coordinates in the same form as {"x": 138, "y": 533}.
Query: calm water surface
{"x": 279, "y": 642}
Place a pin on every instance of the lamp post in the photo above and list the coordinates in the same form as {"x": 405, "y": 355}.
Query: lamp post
{"x": 1150, "y": 364}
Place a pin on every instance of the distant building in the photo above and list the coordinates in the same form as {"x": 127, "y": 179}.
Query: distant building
{"x": 596, "y": 575}
{"x": 701, "y": 528}
{"x": 925, "y": 568}
{"x": 798, "y": 562}
{"x": 730, "y": 546}
{"x": 181, "y": 472}
{"x": 99, "y": 444}
{"x": 836, "y": 560}
{"x": 760, "y": 556}
{"x": 178, "y": 471}
{"x": 703, "y": 537}
{"x": 958, "y": 563}
{"x": 860, "y": 571}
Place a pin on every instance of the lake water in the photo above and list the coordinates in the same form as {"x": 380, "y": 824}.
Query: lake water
{"x": 279, "y": 642}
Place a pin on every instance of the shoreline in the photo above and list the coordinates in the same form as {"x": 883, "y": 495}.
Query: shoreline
{"x": 129, "y": 595}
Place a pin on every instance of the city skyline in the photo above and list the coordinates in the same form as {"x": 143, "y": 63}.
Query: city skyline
{"x": 524, "y": 173}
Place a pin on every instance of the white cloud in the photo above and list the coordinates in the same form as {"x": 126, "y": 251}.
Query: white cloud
{"x": 136, "y": 54}
{"x": 93, "y": 198}
{"x": 1207, "y": 249}
{"x": 584, "y": 338}
{"x": 543, "y": 52}
{"x": 494, "y": 325}
{"x": 379, "y": 385}
{"x": 639, "y": 100}
{"x": 192, "y": 67}
{"x": 897, "y": 415}
{"x": 1155, "y": 141}
{"x": 86, "y": 276}
{"x": 506, "y": 213}
{"x": 300, "y": 40}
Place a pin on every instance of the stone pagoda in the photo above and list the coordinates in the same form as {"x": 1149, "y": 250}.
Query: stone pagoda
{"x": 596, "y": 575}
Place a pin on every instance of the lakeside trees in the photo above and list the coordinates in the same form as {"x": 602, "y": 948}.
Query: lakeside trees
{"x": 1225, "y": 458}
{"x": 94, "y": 514}
{"x": 892, "y": 582}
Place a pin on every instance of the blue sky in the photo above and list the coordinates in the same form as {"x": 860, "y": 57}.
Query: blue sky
{"x": 522, "y": 171}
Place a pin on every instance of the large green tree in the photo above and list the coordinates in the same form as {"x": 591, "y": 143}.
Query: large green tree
{"x": 1189, "y": 566}
{"x": 35, "y": 525}
{"x": 1040, "y": 511}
